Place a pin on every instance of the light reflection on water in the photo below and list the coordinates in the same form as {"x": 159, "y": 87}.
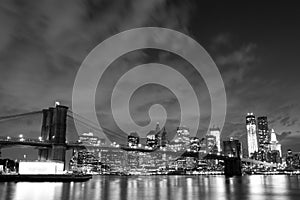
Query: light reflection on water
{"x": 159, "y": 187}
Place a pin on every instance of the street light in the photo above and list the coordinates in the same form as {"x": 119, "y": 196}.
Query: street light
{"x": 21, "y": 138}
{"x": 57, "y": 103}
{"x": 40, "y": 138}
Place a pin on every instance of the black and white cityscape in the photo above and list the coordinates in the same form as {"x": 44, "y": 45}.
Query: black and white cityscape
{"x": 184, "y": 154}
{"x": 149, "y": 99}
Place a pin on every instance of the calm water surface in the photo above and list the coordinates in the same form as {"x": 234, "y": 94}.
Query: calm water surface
{"x": 159, "y": 187}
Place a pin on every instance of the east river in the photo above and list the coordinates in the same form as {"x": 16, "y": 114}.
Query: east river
{"x": 256, "y": 187}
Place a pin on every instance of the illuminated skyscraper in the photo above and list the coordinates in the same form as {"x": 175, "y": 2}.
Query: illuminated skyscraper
{"x": 263, "y": 137}
{"x": 158, "y": 134}
{"x": 91, "y": 139}
{"x": 274, "y": 145}
{"x": 181, "y": 140}
{"x": 194, "y": 144}
{"x": 152, "y": 139}
{"x": 216, "y": 132}
{"x": 163, "y": 137}
{"x": 157, "y": 128}
{"x": 133, "y": 139}
{"x": 251, "y": 134}
{"x": 211, "y": 143}
{"x": 182, "y": 135}
{"x": 262, "y": 127}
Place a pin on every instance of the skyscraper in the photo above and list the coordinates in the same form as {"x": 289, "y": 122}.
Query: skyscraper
{"x": 181, "y": 140}
{"x": 91, "y": 139}
{"x": 263, "y": 137}
{"x": 133, "y": 139}
{"x": 216, "y": 132}
{"x": 211, "y": 144}
{"x": 274, "y": 153}
{"x": 163, "y": 140}
{"x": 182, "y": 135}
{"x": 157, "y": 128}
{"x": 158, "y": 134}
{"x": 152, "y": 139}
{"x": 251, "y": 134}
{"x": 194, "y": 144}
{"x": 274, "y": 145}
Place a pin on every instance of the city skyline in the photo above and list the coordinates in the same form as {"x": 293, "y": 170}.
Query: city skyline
{"x": 249, "y": 143}
{"x": 157, "y": 155}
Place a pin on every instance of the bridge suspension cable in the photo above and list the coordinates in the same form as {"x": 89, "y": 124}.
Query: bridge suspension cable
{"x": 8, "y": 117}
{"x": 90, "y": 124}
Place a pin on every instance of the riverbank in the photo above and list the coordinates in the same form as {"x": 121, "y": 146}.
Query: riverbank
{"x": 45, "y": 177}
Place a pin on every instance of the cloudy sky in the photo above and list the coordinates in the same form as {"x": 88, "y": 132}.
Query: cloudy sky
{"x": 254, "y": 45}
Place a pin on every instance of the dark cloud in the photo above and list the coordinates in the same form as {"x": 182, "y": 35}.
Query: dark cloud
{"x": 283, "y": 135}
{"x": 235, "y": 65}
{"x": 288, "y": 121}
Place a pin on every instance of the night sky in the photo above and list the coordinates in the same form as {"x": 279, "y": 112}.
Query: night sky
{"x": 255, "y": 46}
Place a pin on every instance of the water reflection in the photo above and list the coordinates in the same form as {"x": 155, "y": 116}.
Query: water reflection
{"x": 159, "y": 187}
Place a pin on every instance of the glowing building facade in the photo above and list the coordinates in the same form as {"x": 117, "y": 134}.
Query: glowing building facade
{"x": 216, "y": 132}
{"x": 181, "y": 140}
{"x": 182, "y": 135}
{"x": 195, "y": 144}
{"x": 91, "y": 139}
{"x": 163, "y": 137}
{"x": 263, "y": 137}
{"x": 157, "y": 137}
{"x": 274, "y": 145}
{"x": 133, "y": 139}
{"x": 152, "y": 139}
{"x": 251, "y": 134}
{"x": 210, "y": 143}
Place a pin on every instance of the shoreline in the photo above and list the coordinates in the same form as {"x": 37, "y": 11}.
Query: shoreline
{"x": 45, "y": 177}
{"x": 86, "y": 177}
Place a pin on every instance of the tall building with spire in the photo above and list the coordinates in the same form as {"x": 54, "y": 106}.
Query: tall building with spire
{"x": 157, "y": 128}
{"x": 251, "y": 134}
{"x": 163, "y": 135}
{"x": 157, "y": 137}
{"x": 274, "y": 145}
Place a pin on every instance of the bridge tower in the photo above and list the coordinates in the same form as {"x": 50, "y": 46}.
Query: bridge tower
{"x": 233, "y": 166}
{"x": 53, "y": 130}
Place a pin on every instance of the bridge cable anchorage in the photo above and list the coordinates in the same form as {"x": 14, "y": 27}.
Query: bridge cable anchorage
{"x": 3, "y": 118}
